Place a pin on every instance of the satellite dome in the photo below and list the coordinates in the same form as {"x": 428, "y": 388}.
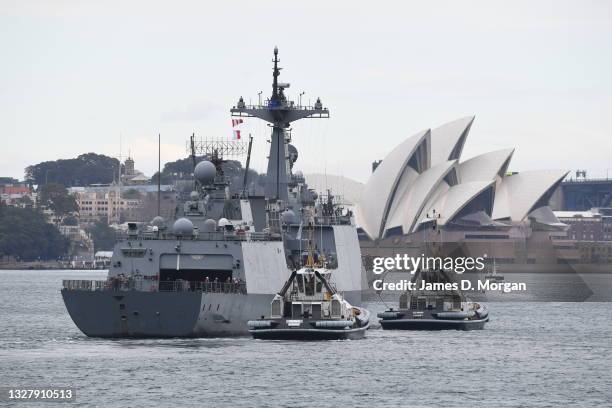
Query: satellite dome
{"x": 223, "y": 222}
{"x": 183, "y": 227}
{"x": 205, "y": 172}
{"x": 158, "y": 221}
{"x": 194, "y": 195}
{"x": 288, "y": 217}
{"x": 210, "y": 225}
{"x": 293, "y": 153}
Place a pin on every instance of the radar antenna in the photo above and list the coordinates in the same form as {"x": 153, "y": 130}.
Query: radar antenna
{"x": 280, "y": 112}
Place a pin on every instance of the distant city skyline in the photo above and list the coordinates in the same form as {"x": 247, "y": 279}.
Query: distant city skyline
{"x": 79, "y": 76}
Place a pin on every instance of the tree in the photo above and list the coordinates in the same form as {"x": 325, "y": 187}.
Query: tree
{"x": 103, "y": 236}
{"x": 56, "y": 198}
{"x": 25, "y": 234}
{"x": 70, "y": 220}
{"x": 86, "y": 169}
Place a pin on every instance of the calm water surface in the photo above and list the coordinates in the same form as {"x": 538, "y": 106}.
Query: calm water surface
{"x": 531, "y": 354}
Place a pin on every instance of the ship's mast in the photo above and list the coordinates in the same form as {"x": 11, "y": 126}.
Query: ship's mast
{"x": 280, "y": 112}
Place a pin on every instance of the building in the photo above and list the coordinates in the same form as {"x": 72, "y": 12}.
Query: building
{"x": 424, "y": 197}
{"x": 106, "y": 206}
{"x": 108, "y": 203}
{"x": 424, "y": 181}
{"x": 592, "y": 225}
{"x": 131, "y": 176}
{"x": 129, "y": 167}
{"x": 17, "y": 195}
{"x": 81, "y": 243}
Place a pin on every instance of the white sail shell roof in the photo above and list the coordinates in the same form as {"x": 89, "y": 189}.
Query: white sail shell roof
{"x": 401, "y": 194}
{"x": 517, "y": 195}
{"x": 457, "y": 197}
{"x": 393, "y": 173}
{"x": 447, "y": 140}
{"x": 486, "y": 166}
{"x": 411, "y": 204}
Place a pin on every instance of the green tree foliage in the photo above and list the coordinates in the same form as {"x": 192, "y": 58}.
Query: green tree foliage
{"x": 103, "y": 236}
{"x": 56, "y": 197}
{"x": 70, "y": 220}
{"x": 87, "y": 169}
{"x": 25, "y": 234}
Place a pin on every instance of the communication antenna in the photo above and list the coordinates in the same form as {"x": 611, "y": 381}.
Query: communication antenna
{"x": 246, "y": 169}
{"x": 209, "y": 147}
{"x": 192, "y": 150}
{"x": 158, "y": 174}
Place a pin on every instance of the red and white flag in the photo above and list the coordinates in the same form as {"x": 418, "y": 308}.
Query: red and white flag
{"x": 236, "y": 134}
{"x": 236, "y": 122}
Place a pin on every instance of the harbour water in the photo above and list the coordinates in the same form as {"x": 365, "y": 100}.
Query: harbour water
{"x": 530, "y": 354}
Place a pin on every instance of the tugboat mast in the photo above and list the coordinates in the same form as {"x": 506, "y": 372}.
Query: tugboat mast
{"x": 280, "y": 112}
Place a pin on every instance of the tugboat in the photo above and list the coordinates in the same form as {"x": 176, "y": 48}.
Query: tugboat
{"x": 438, "y": 306}
{"x": 309, "y": 307}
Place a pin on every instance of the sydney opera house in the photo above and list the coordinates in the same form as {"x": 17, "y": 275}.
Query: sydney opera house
{"x": 425, "y": 192}
{"x": 425, "y": 177}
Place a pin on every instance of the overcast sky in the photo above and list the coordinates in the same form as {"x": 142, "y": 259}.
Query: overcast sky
{"x": 78, "y": 76}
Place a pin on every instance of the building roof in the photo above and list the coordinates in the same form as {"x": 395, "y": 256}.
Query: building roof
{"x": 447, "y": 140}
{"x": 410, "y": 205}
{"x": 394, "y": 171}
{"x": 519, "y": 194}
{"x": 487, "y": 166}
{"x": 424, "y": 173}
{"x": 448, "y": 205}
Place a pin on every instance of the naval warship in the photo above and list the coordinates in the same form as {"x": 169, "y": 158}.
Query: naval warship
{"x": 220, "y": 261}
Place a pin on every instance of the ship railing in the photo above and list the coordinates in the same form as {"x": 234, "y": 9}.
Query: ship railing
{"x": 201, "y": 236}
{"x": 196, "y": 286}
{"x": 85, "y": 285}
{"x": 164, "y": 286}
{"x": 333, "y": 220}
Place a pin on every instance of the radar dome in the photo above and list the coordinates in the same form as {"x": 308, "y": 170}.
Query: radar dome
{"x": 194, "y": 195}
{"x": 205, "y": 172}
{"x": 223, "y": 222}
{"x": 288, "y": 217}
{"x": 210, "y": 225}
{"x": 158, "y": 221}
{"x": 183, "y": 227}
{"x": 293, "y": 153}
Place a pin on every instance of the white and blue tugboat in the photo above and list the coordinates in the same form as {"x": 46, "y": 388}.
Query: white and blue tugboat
{"x": 434, "y": 308}
{"x": 309, "y": 307}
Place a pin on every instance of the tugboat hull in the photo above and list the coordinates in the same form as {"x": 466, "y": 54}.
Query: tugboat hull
{"x": 433, "y": 324}
{"x": 308, "y": 334}
{"x": 310, "y": 330}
